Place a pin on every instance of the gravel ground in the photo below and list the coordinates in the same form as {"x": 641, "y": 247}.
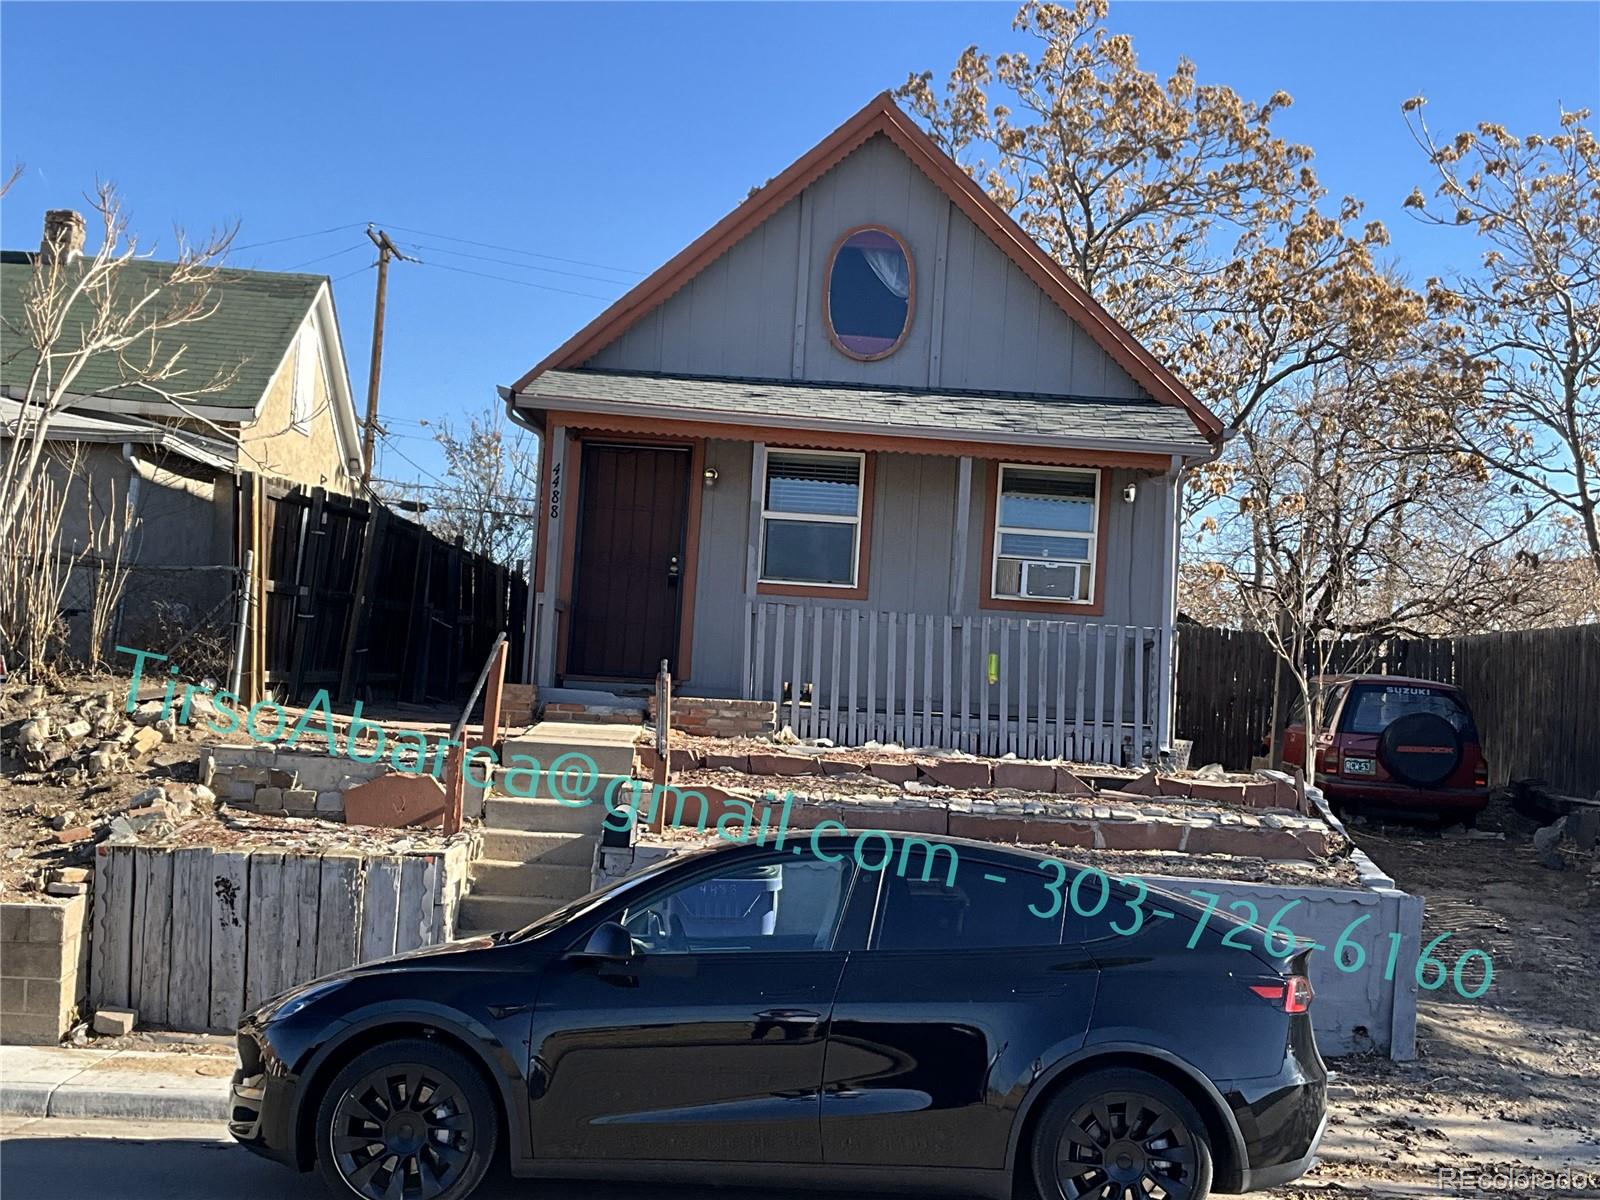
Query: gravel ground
{"x": 1511, "y": 1079}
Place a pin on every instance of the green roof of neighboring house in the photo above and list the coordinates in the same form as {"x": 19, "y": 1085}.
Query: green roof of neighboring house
{"x": 257, "y": 315}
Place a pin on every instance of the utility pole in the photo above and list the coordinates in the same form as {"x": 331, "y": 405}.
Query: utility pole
{"x": 386, "y": 251}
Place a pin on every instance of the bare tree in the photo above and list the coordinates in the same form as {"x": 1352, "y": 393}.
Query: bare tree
{"x": 35, "y": 572}
{"x": 488, "y": 499}
{"x": 1528, "y": 320}
{"x": 1330, "y": 535}
{"x": 83, "y": 310}
{"x": 107, "y": 552}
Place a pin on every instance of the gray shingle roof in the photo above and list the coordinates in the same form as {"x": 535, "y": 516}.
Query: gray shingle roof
{"x": 995, "y": 417}
{"x": 257, "y": 314}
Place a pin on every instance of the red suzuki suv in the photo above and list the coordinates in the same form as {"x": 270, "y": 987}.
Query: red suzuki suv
{"x": 1398, "y": 744}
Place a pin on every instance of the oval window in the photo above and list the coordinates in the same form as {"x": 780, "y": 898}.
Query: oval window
{"x": 869, "y": 293}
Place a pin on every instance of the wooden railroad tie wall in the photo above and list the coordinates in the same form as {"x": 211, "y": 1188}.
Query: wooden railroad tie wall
{"x": 194, "y": 937}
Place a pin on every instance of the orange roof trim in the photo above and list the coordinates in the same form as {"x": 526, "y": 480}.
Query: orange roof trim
{"x": 883, "y": 116}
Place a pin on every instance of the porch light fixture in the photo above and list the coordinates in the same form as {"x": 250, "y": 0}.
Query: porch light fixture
{"x": 710, "y": 476}
{"x": 1130, "y": 493}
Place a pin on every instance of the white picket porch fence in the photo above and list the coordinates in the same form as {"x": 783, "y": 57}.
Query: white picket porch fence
{"x": 991, "y": 684}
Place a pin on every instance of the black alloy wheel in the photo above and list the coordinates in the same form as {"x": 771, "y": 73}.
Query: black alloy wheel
{"x": 1121, "y": 1135}
{"x": 410, "y": 1120}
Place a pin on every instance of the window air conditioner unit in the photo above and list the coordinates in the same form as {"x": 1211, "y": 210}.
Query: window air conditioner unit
{"x": 1046, "y": 580}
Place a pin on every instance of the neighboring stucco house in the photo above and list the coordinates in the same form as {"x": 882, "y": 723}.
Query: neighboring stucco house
{"x": 286, "y": 414}
{"x": 865, "y": 449}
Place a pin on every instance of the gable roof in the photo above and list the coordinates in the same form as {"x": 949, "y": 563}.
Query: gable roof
{"x": 257, "y": 316}
{"x": 882, "y": 116}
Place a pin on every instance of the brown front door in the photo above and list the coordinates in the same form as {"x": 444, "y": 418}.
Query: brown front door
{"x": 628, "y": 574}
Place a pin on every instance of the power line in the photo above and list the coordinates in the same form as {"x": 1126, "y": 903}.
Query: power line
{"x": 575, "y": 262}
{"x": 543, "y": 287}
{"x": 504, "y": 262}
{"x": 384, "y": 434}
{"x": 295, "y": 237}
{"x": 444, "y": 487}
{"x": 325, "y": 257}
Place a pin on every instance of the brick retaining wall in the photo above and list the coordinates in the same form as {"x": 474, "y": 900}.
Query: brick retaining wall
{"x": 720, "y": 718}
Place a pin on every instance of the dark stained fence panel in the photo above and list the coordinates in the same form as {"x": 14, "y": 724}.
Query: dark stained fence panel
{"x": 1535, "y": 694}
{"x": 371, "y": 606}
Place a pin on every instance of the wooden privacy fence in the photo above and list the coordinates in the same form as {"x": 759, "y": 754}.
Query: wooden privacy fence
{"x": 1534, "y": 693}
{"x": 1088, "y": 691}
{"x": 364, "y": 603}
{"x": 194, "y": 937}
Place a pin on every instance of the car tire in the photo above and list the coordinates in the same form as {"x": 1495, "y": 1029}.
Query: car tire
{"x": 1121, "y": 1126}
{"x": 427, "y": 1115}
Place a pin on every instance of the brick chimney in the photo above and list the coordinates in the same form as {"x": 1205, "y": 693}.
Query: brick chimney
{"x": 63, "y": 235}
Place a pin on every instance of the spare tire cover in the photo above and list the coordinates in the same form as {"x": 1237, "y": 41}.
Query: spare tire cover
{"x": 1421, "y": 749}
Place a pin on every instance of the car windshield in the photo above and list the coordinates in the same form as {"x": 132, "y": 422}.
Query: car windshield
{"x": 1373, "y": 707}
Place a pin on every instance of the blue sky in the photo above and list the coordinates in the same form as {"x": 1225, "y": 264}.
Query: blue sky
{"x": 611, "y": 134}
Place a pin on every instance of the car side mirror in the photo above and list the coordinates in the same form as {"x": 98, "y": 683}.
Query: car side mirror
{"x": 609, "y": 942}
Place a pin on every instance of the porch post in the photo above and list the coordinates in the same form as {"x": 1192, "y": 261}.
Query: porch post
{"x": 555, "y": 459}
{"x": 958, "y": 548}
{"x": 1166, "y": 697}
{"x": 752, "y": 564}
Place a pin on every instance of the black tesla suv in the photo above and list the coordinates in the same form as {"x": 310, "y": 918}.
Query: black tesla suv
{"x": 914, "y": 1013}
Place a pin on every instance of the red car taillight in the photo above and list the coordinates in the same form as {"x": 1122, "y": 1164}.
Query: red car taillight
{"x": 1294, "y": 993}
{"x": 1480, "y": 776}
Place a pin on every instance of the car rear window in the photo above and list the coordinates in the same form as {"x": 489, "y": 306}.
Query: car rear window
{"x": 1373, "y": 707}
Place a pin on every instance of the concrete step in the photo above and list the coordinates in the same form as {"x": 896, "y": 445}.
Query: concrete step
{"x": 518, "y": 785}
{"x": 542, "y": 816}
{"x": 489, "y": 914}
{"x": 562, "y": 849}
{"x": 610, "y": 746}
{"x": 497, "y": 877}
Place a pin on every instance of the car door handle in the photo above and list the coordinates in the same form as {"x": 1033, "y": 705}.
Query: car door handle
{"x": 789, "y": 1016}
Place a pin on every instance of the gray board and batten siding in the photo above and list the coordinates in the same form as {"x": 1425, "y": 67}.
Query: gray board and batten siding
{"x": 914, "y": 526}
{"x": 978, "y": 322}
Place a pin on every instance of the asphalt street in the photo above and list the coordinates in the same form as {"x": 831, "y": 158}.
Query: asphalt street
{"x": 172, "y": 1160}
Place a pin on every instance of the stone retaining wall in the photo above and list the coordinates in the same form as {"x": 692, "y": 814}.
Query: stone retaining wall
{"x": 269, "y": 778}
{"x": 979, "y": 774}
{"x": 1091, "y": 822}
{"x": 43, "y": 969}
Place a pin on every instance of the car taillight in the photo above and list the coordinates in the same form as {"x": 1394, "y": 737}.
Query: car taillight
{"x": 1480, "y": 776}
{"x": 1294, "y": 993}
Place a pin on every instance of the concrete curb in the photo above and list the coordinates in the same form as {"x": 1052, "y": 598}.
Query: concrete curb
{"x": 53, "y": 1081}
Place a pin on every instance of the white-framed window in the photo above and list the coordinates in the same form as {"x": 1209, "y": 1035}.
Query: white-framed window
{"x": 811, "y": 518}
{"x": 303, "y": 399}
{"x": 1047, "y": 525}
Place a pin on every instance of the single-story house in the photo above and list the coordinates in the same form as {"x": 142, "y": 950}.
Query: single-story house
{"x": 286, "y": 414}
{"x": 866, "y": 450}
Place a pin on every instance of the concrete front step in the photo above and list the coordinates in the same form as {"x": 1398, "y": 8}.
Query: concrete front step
{"x": 517, "y": 784}
{"x": 610, "y": 746}
{"x": 542, "y": 816}
{"x": 497, "y": 877}
{"x": 560, "y": 849}
{"x": 489, "y": 914}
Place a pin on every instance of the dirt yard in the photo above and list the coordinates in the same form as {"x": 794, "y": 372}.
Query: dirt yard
{"x": 1512, "y": 1079}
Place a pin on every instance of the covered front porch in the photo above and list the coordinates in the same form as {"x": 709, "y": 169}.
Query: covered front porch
{"x": 1085, "y": 690}
{"x": 919, "y": 628}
